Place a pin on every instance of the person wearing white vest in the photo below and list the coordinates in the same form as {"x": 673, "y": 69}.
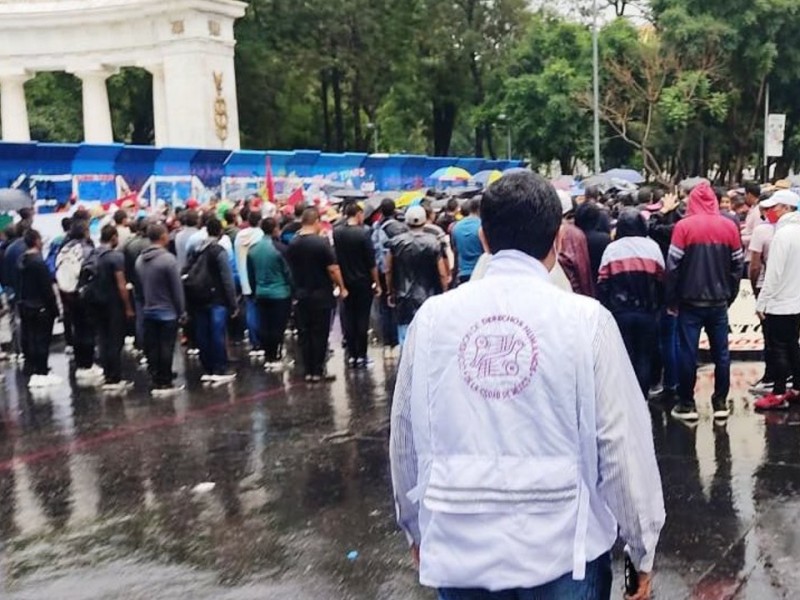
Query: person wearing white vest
{"x": 520, "y": 439}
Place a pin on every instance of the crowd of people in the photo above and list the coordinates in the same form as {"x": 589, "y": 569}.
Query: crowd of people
{"x": 666, "y": 266}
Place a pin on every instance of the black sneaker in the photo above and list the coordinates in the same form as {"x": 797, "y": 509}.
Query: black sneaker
{"x": 721, "y": 409}
{"x": 685, "y": 412}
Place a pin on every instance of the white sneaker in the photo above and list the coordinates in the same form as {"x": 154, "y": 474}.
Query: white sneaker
{"x": 119, "y": 387}
{"x": 206, "y": 378}
{"x": 227, "y": 378}
{"x": 36, "y": 381}
{"x": 52, "y": 380}
{"x": 69, "y": 350}
{"x": 274, "y": 366}
{"x": 255, "y": 354}
{"x": 167, "y": 391}
{"x": 193, "y": 352}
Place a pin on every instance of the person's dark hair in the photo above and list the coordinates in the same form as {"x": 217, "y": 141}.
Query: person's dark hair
{"x": 429, "y": 212}
{"x": 230, "y": 216}
{"x": 388, "y": 208}
{"x": 452, "y": 205}
{"x": 589, "y": 215}
{"x": 352, "y": 209}
{"x": 32, "y": 237}
{"x": 631, "y": 223}
{"x": 79, "y": 230}
{"x": 156, "y": 231}
{"x": 752, "y": 188}
{"x": 253, "y": 218}
{"x": 738, "y": 202}
{"x": 474, "y": 206}
{"x": 214, "y": 227}
{"x": 645, "y": 196}
{"x": 81, "y": 215}
{"x": 191, "y": 218}
{"x": 120, "y": 216}
{"x": 107, "y": 233}
{"x": 310, "y": 216}
{"x": 592, "y": 192}
{"x": 25, "y": 214}
{"x": 244, "y": 213}
{"x": 268, "y": 226}
{"x": 521, "y": 211}
{"x": 299, "y": 208}
{"x": 66, "y": 224}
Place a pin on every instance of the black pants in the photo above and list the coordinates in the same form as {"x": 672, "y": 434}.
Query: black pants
{"x": 68, "y": 308}
{"x": 111, "y": 328}
{"x": 273, "y": 316}
{"x": 769, "y": 359}
{"x": 84, "y": 319}
{"x": 640, "y": 333}
{"x": 784, "y": 331}
{"x": 159, "y": 346}
{"x": 314, "y": 326}
{"x": 37, "y": 331}
{"x": 357, "y": 307}
{"x": 388, "y": 318}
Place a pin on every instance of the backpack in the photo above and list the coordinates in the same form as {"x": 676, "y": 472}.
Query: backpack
{"x": 93, "y": 286}
{"x": 199, "y": 284}
{"x": 379, "y": 242}
{"x": 52, "y": 255}
{"x": 68, "y": 265}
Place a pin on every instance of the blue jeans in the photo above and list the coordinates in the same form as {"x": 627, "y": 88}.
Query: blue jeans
{"x": 596, "y": 586}
{"x": 669, "y": 349}
{"x": 691, "y": 320}
{"x": 252, "y": 320}
{"x": 640, "y": 333}
{"x": 210, "y": 328}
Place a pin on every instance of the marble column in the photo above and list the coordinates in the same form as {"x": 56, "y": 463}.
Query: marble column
{"x": 14, "y": 109}
{"x": 96, "y": 110}
{"x": 159, "y": 106}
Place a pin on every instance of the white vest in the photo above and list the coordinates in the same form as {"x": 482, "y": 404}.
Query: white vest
{"x": 503, "y": 415}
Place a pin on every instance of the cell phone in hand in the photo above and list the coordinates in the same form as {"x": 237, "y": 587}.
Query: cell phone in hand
{"x": 631, "y": 577}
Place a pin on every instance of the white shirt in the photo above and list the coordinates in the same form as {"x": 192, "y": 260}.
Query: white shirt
{"x": 780, "y": 294}
{"x": 625, "y": 488}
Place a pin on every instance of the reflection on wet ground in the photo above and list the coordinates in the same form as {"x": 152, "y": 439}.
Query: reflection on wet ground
{"x": 101, "y": 498}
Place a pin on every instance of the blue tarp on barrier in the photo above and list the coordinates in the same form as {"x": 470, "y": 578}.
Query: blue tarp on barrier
{"x": 209, "y": 166}
{"x": 136, "y": 163}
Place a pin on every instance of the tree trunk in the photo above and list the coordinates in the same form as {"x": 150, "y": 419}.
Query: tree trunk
{"x": 490, "y": 142}
{"x": 338, "y": 115}
{"x": 326, "y": 113}
{"x": 444, "y": 118}
{"x": 479, "y": 141}
{"x": 565, "y": 162}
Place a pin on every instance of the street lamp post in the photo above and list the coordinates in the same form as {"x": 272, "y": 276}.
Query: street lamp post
{"x": 504, "y": 119}
{"x": 375, "y": 136}
{"x": 596, "y": 87}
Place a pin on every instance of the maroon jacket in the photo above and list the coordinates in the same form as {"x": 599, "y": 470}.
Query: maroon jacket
{"x": 574, "y": 259}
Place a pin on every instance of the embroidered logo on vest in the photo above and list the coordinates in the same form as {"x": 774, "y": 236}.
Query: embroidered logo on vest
{"x": 498, "y": 357}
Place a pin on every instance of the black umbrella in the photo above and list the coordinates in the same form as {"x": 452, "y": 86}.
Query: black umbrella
{"x": 349, "y": 194}
{"x": 14, "y": 199}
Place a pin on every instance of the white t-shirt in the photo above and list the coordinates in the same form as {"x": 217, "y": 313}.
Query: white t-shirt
{"x": 762, "y": 237}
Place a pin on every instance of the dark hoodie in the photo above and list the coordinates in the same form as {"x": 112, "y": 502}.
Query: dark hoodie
{"x": 589, "y": 219}
{"x": 35, "y": 291}
{"x": 160, "y": 281}
{"x": 705, "y": 261}
{"x": 631, "y": 275}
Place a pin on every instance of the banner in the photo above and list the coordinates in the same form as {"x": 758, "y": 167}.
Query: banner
{"x": 776, "y": 130}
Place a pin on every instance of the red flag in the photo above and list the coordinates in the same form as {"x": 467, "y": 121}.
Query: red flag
{"x": 296, "y": 197}
{"x": 270, "y": 182}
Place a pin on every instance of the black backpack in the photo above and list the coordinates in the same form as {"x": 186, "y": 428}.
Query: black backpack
{"x": 93, "y": 287}
{"x": 199, "y": 283}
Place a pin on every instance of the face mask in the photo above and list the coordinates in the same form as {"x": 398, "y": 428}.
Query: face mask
{"x": 772, "y": 216}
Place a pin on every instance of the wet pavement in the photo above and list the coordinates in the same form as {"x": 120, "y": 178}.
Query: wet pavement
{"x": 107, "y": 498}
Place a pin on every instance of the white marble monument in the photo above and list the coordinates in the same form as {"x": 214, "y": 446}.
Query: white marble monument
{"x": 187, "y": 45}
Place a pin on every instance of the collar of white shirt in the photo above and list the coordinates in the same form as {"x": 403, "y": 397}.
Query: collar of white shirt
{"x": 516, "y": 263}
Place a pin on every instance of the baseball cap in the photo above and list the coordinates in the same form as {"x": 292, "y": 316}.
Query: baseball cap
{"x": 785, "y": 197}
{"x": 416, "y": 217}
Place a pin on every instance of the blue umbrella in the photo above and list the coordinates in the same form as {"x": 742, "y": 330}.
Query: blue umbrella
{"x": 628, "y": 175}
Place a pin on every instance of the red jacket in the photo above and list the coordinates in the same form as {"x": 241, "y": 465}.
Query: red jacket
{"x": 574, "y": 259}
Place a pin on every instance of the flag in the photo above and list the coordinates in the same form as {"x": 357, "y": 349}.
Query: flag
{"x": 296, "y": 197}
{"x": 270, "y": 182}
